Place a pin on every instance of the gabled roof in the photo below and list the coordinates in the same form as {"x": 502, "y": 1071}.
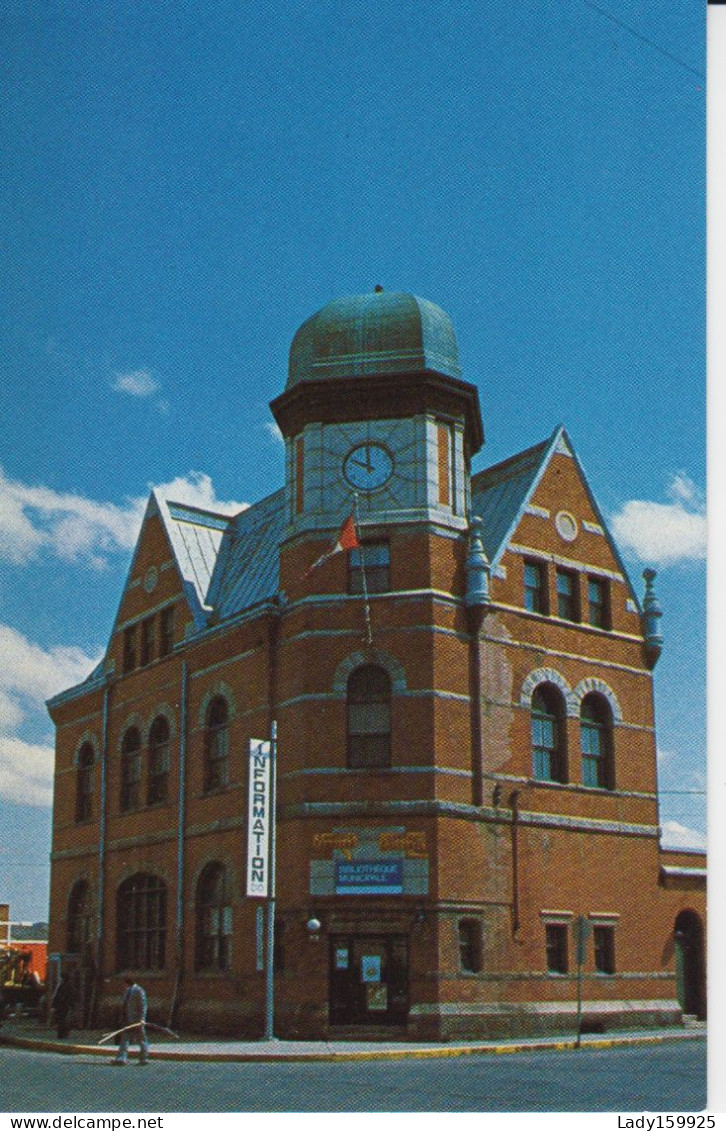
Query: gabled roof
{"x": 501, "y": 494}
{"x": 247, "y": 568}
{"x": 228, "y": 563}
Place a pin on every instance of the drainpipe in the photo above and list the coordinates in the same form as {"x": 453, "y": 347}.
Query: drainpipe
{"x": 514, "y": 806}
{"x": 180, "y": 845}
{"x": 476, "y": 600}
{"x": 101, "y": 885}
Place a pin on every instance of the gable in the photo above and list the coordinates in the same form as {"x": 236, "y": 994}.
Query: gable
{"x": 559, "y": 522}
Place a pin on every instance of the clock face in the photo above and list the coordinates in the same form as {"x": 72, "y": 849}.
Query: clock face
{"x": 368, "y": 466}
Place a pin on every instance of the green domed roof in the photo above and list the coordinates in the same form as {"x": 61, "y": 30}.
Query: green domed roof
{"x": 381, "y": 333}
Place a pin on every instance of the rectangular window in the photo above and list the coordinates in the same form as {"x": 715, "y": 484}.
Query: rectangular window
{"x": 535, "y": 587}
{"x": 166, "y": 635}
{"x": 598, "y": 602}
{"x": 470, "y": 946}
{"x": 129, "y": 657}
{"x": 299, "y": 475}
{"x": 445, "y": 460}
{"x": 568, "y": 606}
{"x": 148, "y": 633}
{"x": 373, "y": 558}
{"x": 556, "y": 945}
{"x": 604, "y": 944}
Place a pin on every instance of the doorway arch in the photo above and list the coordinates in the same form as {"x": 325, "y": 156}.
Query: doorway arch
{"x": 688, "y": 935}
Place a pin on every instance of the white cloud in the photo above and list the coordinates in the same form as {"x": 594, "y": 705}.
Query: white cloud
{"x": 35, "y": 520}
{"x": 274, "y": 430}
{"x": 664, "y": 533}
{"x": 137, "y": 383}
{"x": 28, "y": 676}
{"x": 676, "y": 835}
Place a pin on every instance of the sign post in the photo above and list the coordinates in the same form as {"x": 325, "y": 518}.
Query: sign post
{"x": 261, "y": 835}
{"x": 581, "y": 931}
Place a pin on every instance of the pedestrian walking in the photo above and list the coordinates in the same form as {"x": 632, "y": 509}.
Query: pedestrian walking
{"x": 62, "y": 1003}
{"x": 133, "y": 1011}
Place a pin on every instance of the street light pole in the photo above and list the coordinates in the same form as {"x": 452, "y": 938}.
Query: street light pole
{"x": 270, "y": 966}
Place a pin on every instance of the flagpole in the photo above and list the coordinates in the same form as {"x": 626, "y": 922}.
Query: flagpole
{"x": 369, "y": 630}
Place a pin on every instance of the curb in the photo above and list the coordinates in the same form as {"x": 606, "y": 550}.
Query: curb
{"x": 326, "y": 1055}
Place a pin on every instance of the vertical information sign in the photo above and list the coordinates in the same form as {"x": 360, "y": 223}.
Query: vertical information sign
{"x": 259, "y": 819}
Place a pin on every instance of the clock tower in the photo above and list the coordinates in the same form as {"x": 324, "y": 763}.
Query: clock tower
{"x": 375, "y": 415}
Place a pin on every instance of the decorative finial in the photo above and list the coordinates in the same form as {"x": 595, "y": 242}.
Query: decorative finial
{"x": 477, "y": 567}
{"x": 378, "y": 289}
{"x": 652, "y": 613}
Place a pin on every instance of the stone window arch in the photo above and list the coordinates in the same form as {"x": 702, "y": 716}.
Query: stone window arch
{"x": 552, "y": 676}
{"x": 592, "y": 684}
{"x": 371, "y": 656}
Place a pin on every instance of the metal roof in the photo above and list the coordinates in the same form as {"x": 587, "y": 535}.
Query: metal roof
{"x": 247, "y": 567}
{"x": 499, "y": 494}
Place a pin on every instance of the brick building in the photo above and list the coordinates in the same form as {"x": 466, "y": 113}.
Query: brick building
{"x": 466, "y": 769}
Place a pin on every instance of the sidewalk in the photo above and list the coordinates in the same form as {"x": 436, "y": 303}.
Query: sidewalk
{"x": 29, "y": 1034}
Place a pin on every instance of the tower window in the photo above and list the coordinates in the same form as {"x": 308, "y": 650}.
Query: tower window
{"x": 556, "y": 948}
{"x": 299, "y": 475}
{"x": 447, "y": 486}
{"x": 369, "y": 717}
{"x": 547, "y": 722}
{"x": 598, "y": 602}
{"x": 568, "y": 605}
{"x": 596, "y": 742}
{"x": 372, "y": 559}
{"x": 535, "y": 587}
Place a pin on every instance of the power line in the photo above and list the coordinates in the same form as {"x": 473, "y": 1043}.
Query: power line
{"x": 644, "y": 39}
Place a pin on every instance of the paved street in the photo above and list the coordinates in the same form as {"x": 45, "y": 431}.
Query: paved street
{"x": 660, "y": 1078}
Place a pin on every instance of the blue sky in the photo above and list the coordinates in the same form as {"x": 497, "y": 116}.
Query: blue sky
{"x": 183, "y": 185}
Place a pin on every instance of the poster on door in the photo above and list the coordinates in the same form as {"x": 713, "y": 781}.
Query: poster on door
{"x": 370, "y": 968}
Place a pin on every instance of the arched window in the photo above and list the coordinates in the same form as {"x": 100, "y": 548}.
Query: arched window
{"x": 216, "y": 744}
{"x": 131, "y": 770}
{"x": 369, "y": 717}
{"x": 596, "y": 742}
{"x": 84, "y": 782}
{"x": 214, "y": 919}
{"x": 158, "y": 776}
{"x": 78, "y": 923}
{"x": 548, "y": 734}
{"x": 141, "y": 923}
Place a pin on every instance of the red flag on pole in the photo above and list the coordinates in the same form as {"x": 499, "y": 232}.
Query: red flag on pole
{"x": 347, "y": 540}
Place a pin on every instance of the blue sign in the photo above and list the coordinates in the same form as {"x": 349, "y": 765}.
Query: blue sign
{"x": 368, "y": 877}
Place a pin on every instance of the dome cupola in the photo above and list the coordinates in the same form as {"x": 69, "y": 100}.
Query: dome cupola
{"x": 379, "y": 334}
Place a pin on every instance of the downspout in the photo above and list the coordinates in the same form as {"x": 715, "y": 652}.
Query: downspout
{"x": 476, "y": 600}
{"x": 181, "y": 812}
{"x": 100, "y": 918}
{"x": 514, "y": 805}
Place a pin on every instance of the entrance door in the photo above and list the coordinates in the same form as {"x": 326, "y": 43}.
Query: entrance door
{"x": 690, "y": 963}
{"x": 368, "y": 979}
